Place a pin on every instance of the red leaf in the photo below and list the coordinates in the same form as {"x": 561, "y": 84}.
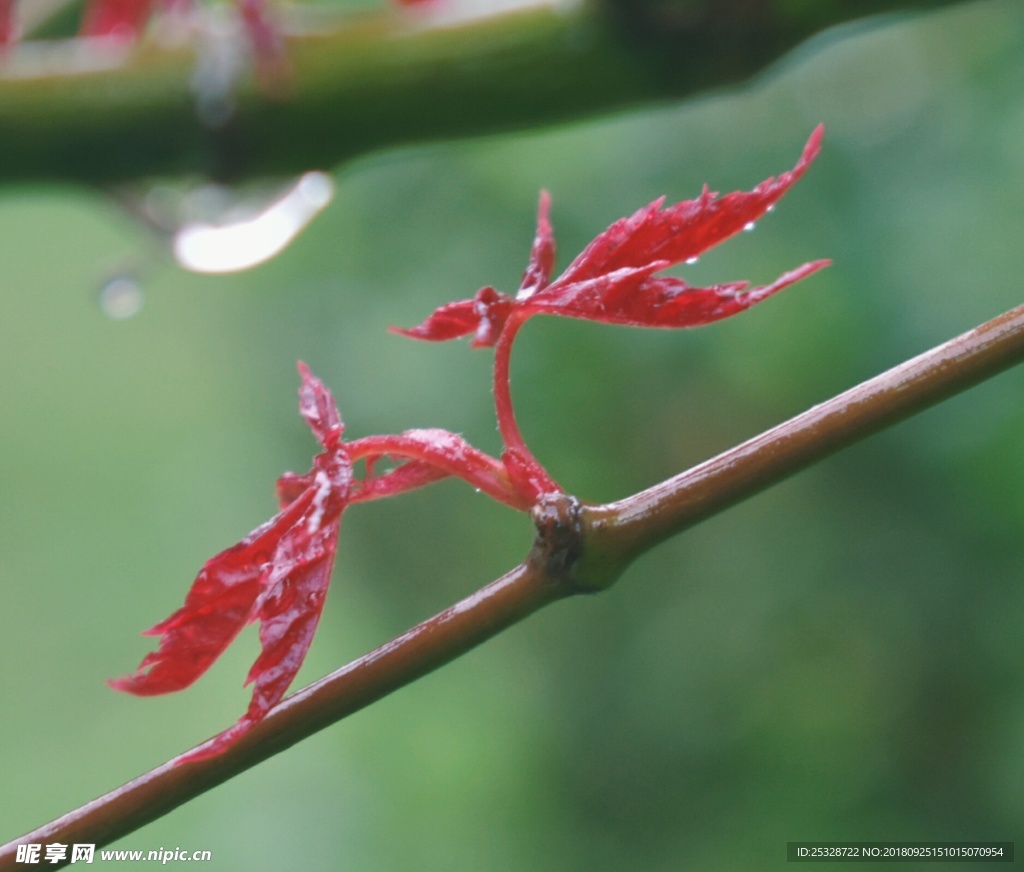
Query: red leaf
{"x": 484, "y": 315}
{"x": 447, "y": 322}
{"x": 633, "y": 298}
{"x": 542, "y": 254}
{"x": 317, "y": 406}
{"x": 292, "y": 591}
{"x": 613, "y": 281}
{"x": 290, "y": 487}
{"x": 685, "y": 230}
{"x": 277, "y": 575}
{"x": 216, "y": 609}
{"x": 408, "y": 476}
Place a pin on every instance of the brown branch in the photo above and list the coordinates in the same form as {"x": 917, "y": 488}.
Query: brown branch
{"x": 620, "y": 531}
{"x": 578, "y": 549}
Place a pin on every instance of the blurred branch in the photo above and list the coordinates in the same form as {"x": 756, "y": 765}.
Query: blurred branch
{"x": 75, "y": 112}
{"x": 579, "y": 549}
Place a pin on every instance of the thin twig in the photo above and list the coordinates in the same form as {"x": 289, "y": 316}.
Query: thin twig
{"x": 622, "y": 530}
{"x": 417, "y": 652}
{"x": 578, "y": 549}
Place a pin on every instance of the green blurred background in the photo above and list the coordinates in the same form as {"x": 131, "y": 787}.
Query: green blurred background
{"x": 838, "y": 658}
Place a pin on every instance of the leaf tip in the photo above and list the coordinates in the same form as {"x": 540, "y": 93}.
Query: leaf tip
{"x": 122, "y": 684}
{"x": 813, "y": 147}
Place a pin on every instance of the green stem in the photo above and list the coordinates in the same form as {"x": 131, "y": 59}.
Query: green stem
{"x": 360, "y": 84}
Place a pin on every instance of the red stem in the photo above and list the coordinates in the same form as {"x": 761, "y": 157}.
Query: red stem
{"x": 458, "y": 459}
{"x": 528, "y": 476}
{"x": 507, "y": 425}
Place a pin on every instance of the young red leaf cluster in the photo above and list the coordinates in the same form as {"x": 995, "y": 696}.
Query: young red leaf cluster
{"x": 615, "y": 280}
{"x": 278, "y": 574}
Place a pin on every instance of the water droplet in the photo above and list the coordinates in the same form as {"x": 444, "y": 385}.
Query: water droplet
{"x": 750, "y": 225}
{"x": 317, "y": 189}
{"x": 692, "y": 260}
{"x": 121, "y": 298}
{"x": 213, "y": 228}
{"x": 245, "y": 236}
{"x": 770, "y": 209}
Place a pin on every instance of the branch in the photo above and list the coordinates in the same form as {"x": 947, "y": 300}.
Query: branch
{"x": 74, "y": 112}
{"x": 619, "y": 532}
{"x": 579, "y": 549}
